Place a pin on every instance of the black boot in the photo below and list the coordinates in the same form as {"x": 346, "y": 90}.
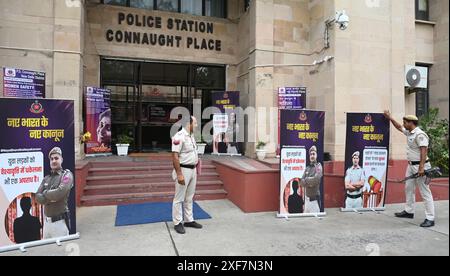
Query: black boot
{"x": 404, "y": 214}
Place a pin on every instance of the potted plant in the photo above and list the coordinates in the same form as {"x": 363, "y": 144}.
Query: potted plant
{"x": 201, "y": 145}
{"x": 260, "y": 151}
{"x": 123, "y": 143}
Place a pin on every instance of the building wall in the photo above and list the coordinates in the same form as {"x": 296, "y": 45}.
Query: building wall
{"x": 46, "y": 35}
{"x": 370, "y": 59}
{"x": 272, "y": 44}
{"x": 101, "y": 18}
{"x": 439, "y": 85}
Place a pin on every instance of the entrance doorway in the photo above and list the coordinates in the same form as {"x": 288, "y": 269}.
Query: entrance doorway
{"x": 144, "y": 93}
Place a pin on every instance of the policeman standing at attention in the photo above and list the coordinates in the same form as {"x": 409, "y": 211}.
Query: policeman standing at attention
{"x": 311, "y": 181}
{"x": 54, "y": 195}
{"x": 416, "y": 153}
{"x": 185, "y": 160}
{"x": 354, "y": 182}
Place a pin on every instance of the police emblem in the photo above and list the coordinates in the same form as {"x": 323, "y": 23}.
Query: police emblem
{"x": 303, "y": 116}
{"x": 368, "y": 119}
{"x": 176, "y": 142}
{"x": 36, "y": 108}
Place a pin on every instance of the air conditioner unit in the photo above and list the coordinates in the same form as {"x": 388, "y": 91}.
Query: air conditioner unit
{"x": 416, "y": 77}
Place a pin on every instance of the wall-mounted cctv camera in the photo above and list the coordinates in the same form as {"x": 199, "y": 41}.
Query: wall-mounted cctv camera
{"x": 342, "y": 20}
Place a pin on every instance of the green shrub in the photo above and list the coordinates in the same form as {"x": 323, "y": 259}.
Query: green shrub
{"x": 437, "y": 130}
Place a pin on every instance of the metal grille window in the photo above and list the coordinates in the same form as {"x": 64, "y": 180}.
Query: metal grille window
{"x": 167, "y": 5}
{"x": 212, "y": 8}
{"x": 192, "y": 7}
{"x": 115, "y": 2}
{"x": 142, "y": 4}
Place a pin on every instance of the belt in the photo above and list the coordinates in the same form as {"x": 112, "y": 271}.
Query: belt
{"x": 56, "y": 218}
{"x": 354, "y": 196}
{"x": 415, "y": 163}
{"x": 188, "y": 166}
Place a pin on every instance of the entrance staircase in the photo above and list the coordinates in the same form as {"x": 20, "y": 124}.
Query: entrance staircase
{"x": 147, "y": 180}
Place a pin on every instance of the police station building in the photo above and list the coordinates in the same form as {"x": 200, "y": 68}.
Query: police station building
{"x": 159, "y": 54}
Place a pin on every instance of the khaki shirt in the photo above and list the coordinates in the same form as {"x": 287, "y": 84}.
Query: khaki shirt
{"x": 311, "y": 180}
{"x": 415, "y": 139}
{"x": 54, "y": 193}
{"x": 185, "y": 145}
{"x": 354, "y": 175}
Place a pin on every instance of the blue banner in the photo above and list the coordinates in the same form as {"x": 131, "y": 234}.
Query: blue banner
{"x": 301, "y": 162}
{"x": 366, "y": 160}
{"x": 31, "y": 130}
{"x": 18, "y": 83}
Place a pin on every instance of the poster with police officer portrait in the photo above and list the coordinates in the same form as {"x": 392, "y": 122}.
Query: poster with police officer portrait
{"x": 366, "y": 161}
{"x": 37, "y": 170}
{"x": 301, "y": 163}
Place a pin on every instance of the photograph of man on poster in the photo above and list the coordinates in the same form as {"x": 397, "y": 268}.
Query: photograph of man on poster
{"x": 54, "y": 193}
{"x": 311, "y": 180}
{"x": 354, "y": 184}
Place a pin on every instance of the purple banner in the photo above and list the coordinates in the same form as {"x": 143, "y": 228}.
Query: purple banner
{"x": 30, "y": 130}
{"x": 18, "y": 83}
{"x": 366, "y": 160}
{"x": 97, "y": 105}
{"x": 301, "y": 162}
{"x": 225, "y": 127}
{"x": 292, "y": 97}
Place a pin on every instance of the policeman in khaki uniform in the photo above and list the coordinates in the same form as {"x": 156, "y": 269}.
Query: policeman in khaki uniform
{"x": 185, "y": 160}
{"x": 416, "y": 152}
{"x": 311, "y": 182}
{"x": 354, "y": 182}
{"x": 54, "y": 194}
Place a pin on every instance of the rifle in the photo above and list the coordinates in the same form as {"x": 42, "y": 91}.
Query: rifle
{"x": 429, "y": 174}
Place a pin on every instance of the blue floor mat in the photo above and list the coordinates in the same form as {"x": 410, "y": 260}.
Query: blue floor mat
{"x": 151, "y": 213}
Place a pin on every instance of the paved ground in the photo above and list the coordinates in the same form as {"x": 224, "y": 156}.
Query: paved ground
{"x": 231, "y": 232}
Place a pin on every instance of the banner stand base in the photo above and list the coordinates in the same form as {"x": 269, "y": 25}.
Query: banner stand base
{"x": 227, "y": 154}
{"x": 360, "y": 210}
{"x": 99, "y": 155}
{"x": 314, "y": 215}
{"x": 23, "y": 247}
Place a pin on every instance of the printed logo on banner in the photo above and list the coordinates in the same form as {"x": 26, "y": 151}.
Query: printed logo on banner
{"x": 36, "y": 108}
{"x": 9, "y": 72}
{"x": 303, "y": 116}
{"x": 368, "y": 119}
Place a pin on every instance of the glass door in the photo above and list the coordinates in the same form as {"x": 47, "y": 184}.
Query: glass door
{"x": 124, "y": 101}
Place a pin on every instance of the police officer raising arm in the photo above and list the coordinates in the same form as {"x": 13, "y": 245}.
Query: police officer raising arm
{"x": 185, "y": 161}
{"x": 54, "y": 195}
{"x": 417, "y": 149}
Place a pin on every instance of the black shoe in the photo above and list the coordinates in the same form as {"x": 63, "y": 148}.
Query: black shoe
{"x": 179, "y": 228}
{"x": 193, "y": 225}
{"x": 427, "y": 223}
{"x": 404, "y": 214}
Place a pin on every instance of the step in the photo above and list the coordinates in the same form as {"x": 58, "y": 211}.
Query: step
{"x": 120, "y": 199}
{"x": 146, "y": 188}
{"x": 114, "y": 164}
{"x": 149, "y": 178}
{"x": 146, "y": 170}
